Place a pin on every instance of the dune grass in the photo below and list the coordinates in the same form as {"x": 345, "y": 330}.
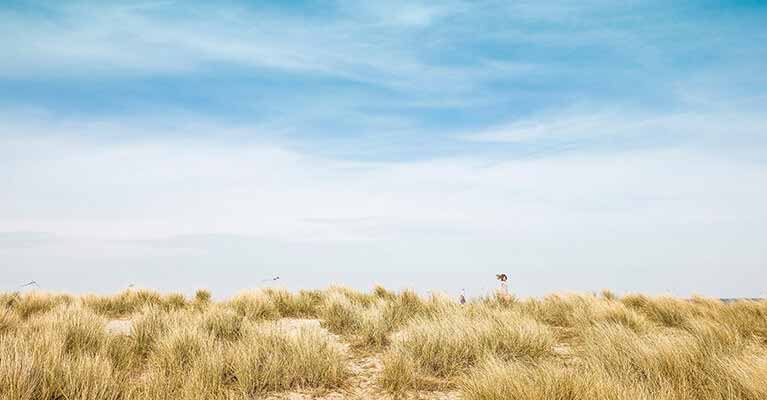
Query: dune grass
{"x": 563, "y": 346}
{"x": 9, "y": 321}
{"x": 496, "y": 379}
{"x": 433, "y": 349}
{"x": 636, "y": 347}
{"x": 267, "y": 359}
{"x": 175, "y": 348}
{"x": 369, "y": 321}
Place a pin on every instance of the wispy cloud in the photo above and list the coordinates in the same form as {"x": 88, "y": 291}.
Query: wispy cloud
{"x": 386, "y": 46}
{"x": 161, "y": 187}
{"x": 380, "y": 75}
{"x": 108, "y": 39}
{"x": 616, "y": 129}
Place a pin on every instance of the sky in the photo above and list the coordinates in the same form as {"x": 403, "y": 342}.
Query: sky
{"x": 574, "y": 145}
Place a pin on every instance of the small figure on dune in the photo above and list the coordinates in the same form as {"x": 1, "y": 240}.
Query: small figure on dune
{"x": 462, "y": 297}
{"x": 504, "y": 289}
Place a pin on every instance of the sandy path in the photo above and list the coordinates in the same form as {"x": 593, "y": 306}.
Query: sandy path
{"x": 365, "y": 370}
{"x": 119, "y": 326}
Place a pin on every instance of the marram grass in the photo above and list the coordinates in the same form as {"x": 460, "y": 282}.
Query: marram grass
{"x": 562, "y": 346}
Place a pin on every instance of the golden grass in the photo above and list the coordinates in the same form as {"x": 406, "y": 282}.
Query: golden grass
{"x": 190, "y": 362}
{"x": 495, "y": 379}
{"x": 254, "y": 306}
{"x": 9, "y": 321}
{"x": 267, "y": 359}
{"x": 340, "y": 315}
{"x": 223, "y": 324}
{"x": 29, "y": 304}
{"x": 289, "y": 305}
{"x": 79, "y": 331}
{"x": 705, "y": 362}
{"x": 131, "y": 301}
{"x": 175, "y": 348}
{"x": 441, "y": 347}
{"x": 202, "y": 296}
{"x": 146, "y": 329}
{"x": 42, "y": 366}
{"x": 563, "y": 346}
{"x": 369, "y": 322}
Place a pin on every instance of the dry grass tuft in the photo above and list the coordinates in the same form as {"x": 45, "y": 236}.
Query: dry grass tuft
{"x": 223, "y": 324}
{"x": 371, "y": 324}
{"x": 24, "y": 370}
{"x": 340, "y": 314}
{"x": 382, "y": 293}
{"x": 128, "y": 302}
{"x": 7, "y": 300}
{"x": 255, "y": 306}
{"x": 495, "y": 379}
{"x": 356, "y": 297}
{"x": 89, "y": 378}
{"x": 697, "y": 364}
{"x": 617, "y": 313}
{"x": 33, "y": 303}
{"x": 666, "y": 311}
{"x": 9, "y": 321}
{"x": 54, "y": 365}
{"x": 146, "y": 328}
{"x": 268, "y": 359}
{"x": 608, "y": 295}
{"x": 289, "y": 305}
{"x": 81, "y": 331}
{"x": 564, "y": 311}
{"x": 202, "y": 296}
{"x": 448, "y": 345}
{"x": 174, "y": 301}
{"x": 498, "y": 300}
{"x": 749, "y": 318}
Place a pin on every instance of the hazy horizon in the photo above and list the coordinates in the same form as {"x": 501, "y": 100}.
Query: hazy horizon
{"x": 573, "y": 146}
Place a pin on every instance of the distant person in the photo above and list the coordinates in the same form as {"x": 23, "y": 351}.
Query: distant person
{"x": 504, "y": 289}
{"x": 462, "y": 297}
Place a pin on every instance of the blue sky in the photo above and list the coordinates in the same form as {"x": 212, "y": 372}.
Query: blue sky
{"x": 464, "y": 137}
